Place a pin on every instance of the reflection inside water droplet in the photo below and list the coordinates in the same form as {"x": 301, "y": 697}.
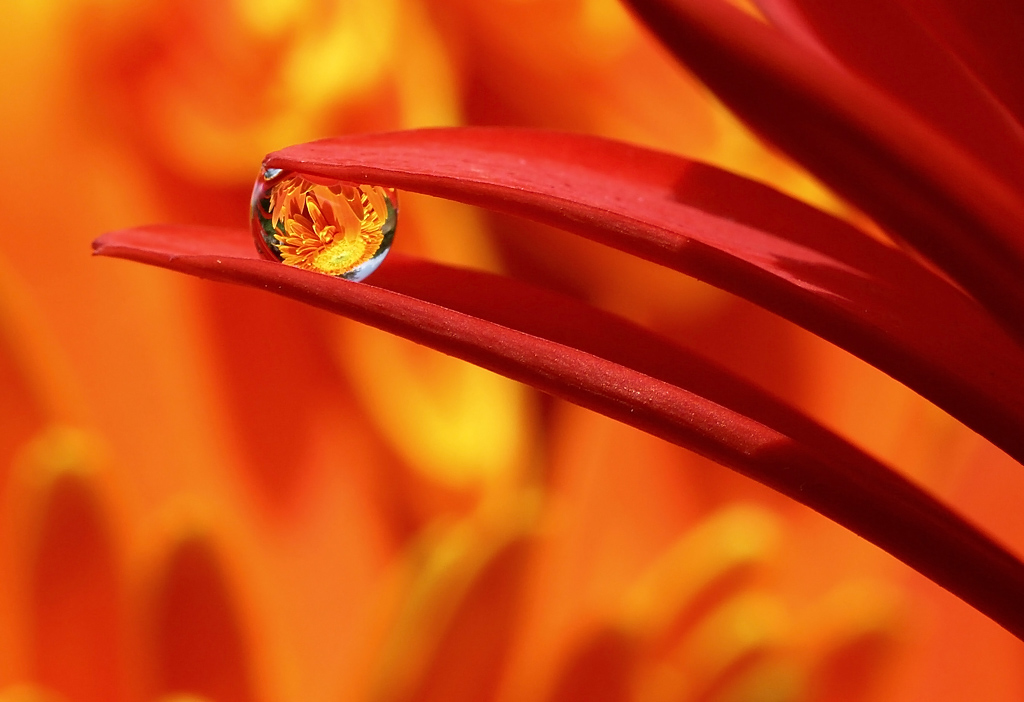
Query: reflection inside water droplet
{"x": 321, "y": 224}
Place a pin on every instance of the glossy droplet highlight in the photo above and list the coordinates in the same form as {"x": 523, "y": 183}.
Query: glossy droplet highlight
{"x": 324, "y": 225}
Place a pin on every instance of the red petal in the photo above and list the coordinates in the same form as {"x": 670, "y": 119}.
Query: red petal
{"x": 738, "y": 235}
{"x": 600, "y": 670}
{"x": 872, "y": 151}
{"x": 76, "y": 618}
{"x": 884, "y": 42}
{"x": 986, "y": 36}
{"x": 460, "y": 656}
{"x": 201, "y": 643}
{"x": 609, "y": 365}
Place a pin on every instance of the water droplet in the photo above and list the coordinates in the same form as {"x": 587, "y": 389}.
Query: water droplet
{"x": 321, "y": 224}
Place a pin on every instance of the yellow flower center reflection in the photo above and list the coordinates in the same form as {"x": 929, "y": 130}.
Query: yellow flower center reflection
{"x": 328, "y": 226}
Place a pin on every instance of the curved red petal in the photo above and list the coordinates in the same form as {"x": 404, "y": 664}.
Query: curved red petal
{"x": 611, "y": 366}
{"x": 872, "y": 151}
{"x": 599, "y": 670}
{"x": 886, "y": 43}
{"x": 201, "y": 644}
{"x": 469, "y": 657}
{"x": 733, "y": 233}
{"x": 986, "y": 36}
{"x": 77, "y": 642}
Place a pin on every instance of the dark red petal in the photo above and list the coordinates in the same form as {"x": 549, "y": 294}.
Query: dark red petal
{"x": 606, "y": 364}
{"x": 201, "y": 645}
{"x": 884, "y": 42}
{"x": 735, "y": 234}
{"x": 600, "y": 669}
{"x": 986, "y": 36}
{"x": 872, "y": 151}
{"x": 77, "y": 642}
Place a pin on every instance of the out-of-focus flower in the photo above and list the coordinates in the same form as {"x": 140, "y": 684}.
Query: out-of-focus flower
{"x": 261, "y": 502}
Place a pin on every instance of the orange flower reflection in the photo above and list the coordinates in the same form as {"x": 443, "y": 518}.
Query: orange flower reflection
{"x": 211, "y": 493}
{"x": 333, "y": 227}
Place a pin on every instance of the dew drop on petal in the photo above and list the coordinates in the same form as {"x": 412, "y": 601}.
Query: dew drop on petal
{"x": 321, "y": 224}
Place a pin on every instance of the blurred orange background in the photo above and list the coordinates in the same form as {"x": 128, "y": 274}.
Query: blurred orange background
{"x": 212, "y": 493}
